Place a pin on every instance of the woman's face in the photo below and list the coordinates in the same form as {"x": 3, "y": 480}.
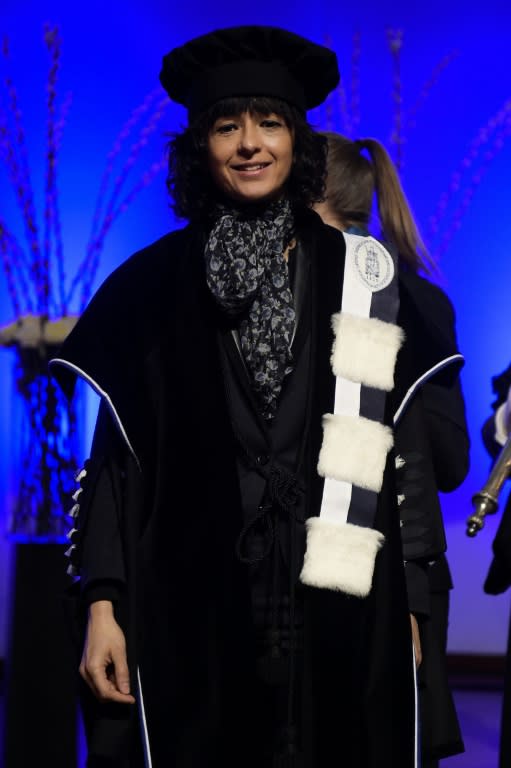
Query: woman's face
{"x": 250, "y": 156}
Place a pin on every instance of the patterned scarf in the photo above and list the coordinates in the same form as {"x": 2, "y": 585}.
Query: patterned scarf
{"x": 248, "y": 277}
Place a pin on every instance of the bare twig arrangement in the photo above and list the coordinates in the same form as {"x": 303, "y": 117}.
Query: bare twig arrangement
{"x": 36, "y": 274}
{"x": 397, "y": 139}
{"x": 342, "y": 112}
{"x": 41, "y": 294}
{"x": 455, "y": 201}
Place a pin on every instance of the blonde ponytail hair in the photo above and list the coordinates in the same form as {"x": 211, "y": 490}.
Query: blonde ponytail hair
{"x": 352, "y": 181}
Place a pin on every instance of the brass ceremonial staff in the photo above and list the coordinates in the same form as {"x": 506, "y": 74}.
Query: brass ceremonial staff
{"x": 486, "y": 502}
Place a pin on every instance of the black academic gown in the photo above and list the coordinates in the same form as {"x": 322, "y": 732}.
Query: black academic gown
{"x": 498, "y": 579}
{"x": 432, "y": 439}
{"x": 148, "y": 344}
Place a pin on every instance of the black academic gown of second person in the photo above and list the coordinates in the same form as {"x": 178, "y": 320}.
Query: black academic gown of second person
{"x": 498, "y": 579}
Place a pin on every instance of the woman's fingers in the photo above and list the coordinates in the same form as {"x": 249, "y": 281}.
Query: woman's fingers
{"x": 121, "y": 675}
{"x": 103, "y": 682}
{"x": 104, "y": 665}
{"x": 85, "y": 676}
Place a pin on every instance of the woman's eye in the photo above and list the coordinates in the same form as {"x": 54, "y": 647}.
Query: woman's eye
{"x": 271, "y": 124}
{"x": 226, "y": 128}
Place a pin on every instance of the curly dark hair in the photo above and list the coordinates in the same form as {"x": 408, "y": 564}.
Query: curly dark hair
{"x": 189, "y": 183}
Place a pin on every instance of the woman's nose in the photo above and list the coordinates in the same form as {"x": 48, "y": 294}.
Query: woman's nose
{"x": 249, "y": 140}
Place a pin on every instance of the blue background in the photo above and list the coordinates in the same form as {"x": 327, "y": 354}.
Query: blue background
{"x": 111, "y": 58}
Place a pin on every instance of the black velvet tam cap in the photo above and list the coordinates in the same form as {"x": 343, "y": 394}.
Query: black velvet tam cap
{"x": 249, "y": 61}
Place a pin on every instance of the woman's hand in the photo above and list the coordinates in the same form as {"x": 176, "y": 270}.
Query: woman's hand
{"x": 416, "y": 640}
{"x": 104, "y": 665}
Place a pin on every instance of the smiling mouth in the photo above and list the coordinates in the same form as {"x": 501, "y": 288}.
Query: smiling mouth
{"x": 250, "y": 167}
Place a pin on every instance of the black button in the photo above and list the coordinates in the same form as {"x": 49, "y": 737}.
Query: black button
{"x": 263, "y": 459}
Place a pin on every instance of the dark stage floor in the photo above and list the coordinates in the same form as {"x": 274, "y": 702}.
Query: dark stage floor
{"x": 479, "y": 713}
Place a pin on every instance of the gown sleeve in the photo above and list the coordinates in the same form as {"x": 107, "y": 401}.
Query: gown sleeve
{"x": 97, "y": 557}
{"x": 446, "y": 424}
{"x": 434, "y": 448}
{"x": 422, "y": 537}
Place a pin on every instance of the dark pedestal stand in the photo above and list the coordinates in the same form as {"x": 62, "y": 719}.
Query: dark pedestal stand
{"x": 41, "y": 677}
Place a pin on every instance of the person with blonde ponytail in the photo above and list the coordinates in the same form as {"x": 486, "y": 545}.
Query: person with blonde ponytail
{"x": 431, "y": 441}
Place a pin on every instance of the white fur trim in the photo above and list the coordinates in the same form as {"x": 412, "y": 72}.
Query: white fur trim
{"x": 340, "y": 557}
{"x": 365, "y": 349}
{"x": 400, "y": 462}
{"x": 355, "y": 450}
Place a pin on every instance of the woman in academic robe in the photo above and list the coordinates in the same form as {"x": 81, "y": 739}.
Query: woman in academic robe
{"x": 236, "y": 536}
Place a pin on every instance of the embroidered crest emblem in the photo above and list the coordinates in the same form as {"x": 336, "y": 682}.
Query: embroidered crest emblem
{"x": 373, "y": 264}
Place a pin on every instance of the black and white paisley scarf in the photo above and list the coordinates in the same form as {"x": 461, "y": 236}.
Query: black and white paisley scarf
{"x": 248, "y": 277}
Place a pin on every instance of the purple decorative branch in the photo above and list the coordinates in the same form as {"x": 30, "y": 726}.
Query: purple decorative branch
{"x": 97, "y": 246}
{"x": 468, "y": 160}
{"x": 15, "y": 266}
{"x": 324, "y": 114}
{"x": 54, "y": 133}
{"x": 493, "y": 136}
{"x": 344, "y": 113}
{"x": 395, "y": 42}
{"x": 49, "y": 431}
{"x": 18, "y": 168}
{"x": 135, "y": 117}
{"x": 338, "y": 118}
{"x": 5, "y": 254}
{"x": 61, "y": 122}
{"x": 329, "y": 119}
{"x": 427, "y": 87}
{"x": 134, "y": 152}
{"x": 50, "y": 208}
{"x": 48, "y": 257}
{"x": 59, "y": 252}
{"x": 8, "y": 156}
{"x": 87, "y": 270}
{"x": 355, "y": 83}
